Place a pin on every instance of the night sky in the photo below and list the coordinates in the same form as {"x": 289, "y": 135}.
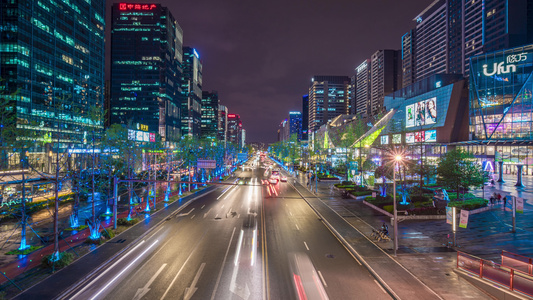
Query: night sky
{"x": 261, "y": 55}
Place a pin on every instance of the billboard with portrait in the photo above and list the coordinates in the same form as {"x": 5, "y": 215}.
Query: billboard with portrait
{"x": 410, "y": 115}
{"x": 431, "y": 111}
{"x": 421, "y": 113}
{"x": 410, "y": 137}
{"x": 384, "y": 139}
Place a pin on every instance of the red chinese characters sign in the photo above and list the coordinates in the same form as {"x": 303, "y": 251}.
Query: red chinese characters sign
{"x": 127, "y": 6}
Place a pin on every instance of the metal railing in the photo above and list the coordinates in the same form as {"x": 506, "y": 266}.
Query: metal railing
{"x": 513, "y": 279}
{"x": 517, "y": 262}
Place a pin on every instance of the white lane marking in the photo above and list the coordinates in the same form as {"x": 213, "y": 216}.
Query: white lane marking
{"x": 222, "y": 205}
{"x": 216, "y": 216}
{"x": 202, "y": 206}
{"x": 181, "y": 269}
{"x": 191, "y": 290}
{"x": 238, "y": 250}
{"x": 142, "y": 291}
{"x": 238, "y": 216}
{"x": 193, "y": 217}
{"x": 290, "y": 212}
{"x": 323, "y": 280}
{"x": 385, "y": 292}
{"x": 107, "y": 270}
{"x": 124, "y": 270}
{"x": 223, "y": 263}
{"x": 205, "y": 215}
{"x": 306, "y": 246}
{"x": 223, "y": 192}
{"x": 297, "y": 228}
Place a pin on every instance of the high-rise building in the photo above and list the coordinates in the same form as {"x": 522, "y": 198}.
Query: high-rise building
{"x": 52, "y": 68}
{"x": 191, "y": 84}
{"x": 305, "y": 117}
{"x": 284, "y": 131}
{"x": 449, "y": 32}
{"x": 328, "y": 98}
{"x": 146, "y": 58}
{"x": 210, "y": 104}
{"x": 385, "y": 77}
{"x": 222, "y": 123}
{"x": 362, "y": 88}
{"x": 234, "y": 129}
{"x": 295, "y": 124}
{"x": 408, "y": 58}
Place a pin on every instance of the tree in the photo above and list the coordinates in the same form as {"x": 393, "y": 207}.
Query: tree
{"x": 458, "y": 170}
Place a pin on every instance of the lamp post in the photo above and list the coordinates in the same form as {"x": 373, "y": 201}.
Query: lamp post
{"x": 397, "y": 160}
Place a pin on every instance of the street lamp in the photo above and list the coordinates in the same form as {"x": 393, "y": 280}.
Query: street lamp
{"x": 397, "y": 160}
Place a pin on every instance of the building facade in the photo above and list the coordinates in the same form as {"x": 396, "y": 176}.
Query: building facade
{"x": 501, "y": 108}
{"x": 363, "y": 88}
{"x": 305, "y": 117}
{"x": 146, "y": 66}
{"x": 191, "y": 84}
{"x": 328, "y": 98}
{"x": 222, "y": 125}
{"x": 408, "y": 58}
{"x": 234, "y": 129}
{"x": 448, "y": 33}
{"x": 295, "y": 124}
{"x": 210, "y": 104}
{"x": 53, "y": 55}
{"x": 385, "y": 78}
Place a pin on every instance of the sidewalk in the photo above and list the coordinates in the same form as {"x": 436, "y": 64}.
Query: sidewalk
{"x": 423, "y": 244}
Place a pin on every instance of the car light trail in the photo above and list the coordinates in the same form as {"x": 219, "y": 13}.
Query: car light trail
{"x": 239, "y": 247}
{"x": 124, "y": 270}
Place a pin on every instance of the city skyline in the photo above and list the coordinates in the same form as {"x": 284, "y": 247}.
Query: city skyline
{"x": 235, "y": 39}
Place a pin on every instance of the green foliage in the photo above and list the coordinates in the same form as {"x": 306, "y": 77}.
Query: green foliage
{"x": 458, "y": 170}
{"x": 27, "y": 251}
{"x": 364, "y": 193}
{"x": 65, "y": 259}
{"x": 126, "y": 222}
{"x": 108, "y": 234}
{"x": 469, "y": 204}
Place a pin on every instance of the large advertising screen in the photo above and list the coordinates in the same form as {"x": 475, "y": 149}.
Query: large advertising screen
{"x": 384, "y": 139}
{"x": 397, "y": 138}
{"x": 410, "y": 137}
{"x": 431, "y": 135}
{"x": 421, "y": 113}
{"x": 420, "y": 136}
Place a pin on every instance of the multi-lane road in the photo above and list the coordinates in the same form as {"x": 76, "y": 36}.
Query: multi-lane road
{"x": 252, "y": 241}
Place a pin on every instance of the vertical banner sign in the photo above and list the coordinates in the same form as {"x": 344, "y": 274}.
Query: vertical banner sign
{"x": 449, "y": 215}
{"x": 520, "y": 205}
{"x": 464, "y": 218}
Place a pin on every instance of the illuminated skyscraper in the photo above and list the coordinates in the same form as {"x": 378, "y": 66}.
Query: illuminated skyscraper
{"x": 146, "y": 59}
{"x": 222, "y": 125}
{"x": 210, "y": 104}
{"x": 305, "y": 117}
{"x": 53, "y": 55}
{"x": 328, "y": 98}
{"x": 449, "y": 32}
{"x": 234, "y": 129}
{"x": 191, "y": 84}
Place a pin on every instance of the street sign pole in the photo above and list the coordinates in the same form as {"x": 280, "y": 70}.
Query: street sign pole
{"x": 514, "y": 213}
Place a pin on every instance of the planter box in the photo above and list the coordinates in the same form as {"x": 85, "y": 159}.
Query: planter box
{"x": 404, "y": 217}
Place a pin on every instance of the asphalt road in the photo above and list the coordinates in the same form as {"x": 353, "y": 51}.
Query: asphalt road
{"x": 250, "y": 241}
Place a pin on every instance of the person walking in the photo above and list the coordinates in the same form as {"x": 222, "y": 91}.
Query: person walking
{"x": 504, "y": 202}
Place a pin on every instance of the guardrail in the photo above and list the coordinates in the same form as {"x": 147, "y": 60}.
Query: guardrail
{"x": 515, "y": 280}
{"x": 517, "y": 262}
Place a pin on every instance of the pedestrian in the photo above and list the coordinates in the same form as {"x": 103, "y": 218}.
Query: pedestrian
{"x": 504, "y": 202}
{"x": 499, "y": 196}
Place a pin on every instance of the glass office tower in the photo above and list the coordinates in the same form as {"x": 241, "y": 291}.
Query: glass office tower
{"x": 52, "y": 53}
